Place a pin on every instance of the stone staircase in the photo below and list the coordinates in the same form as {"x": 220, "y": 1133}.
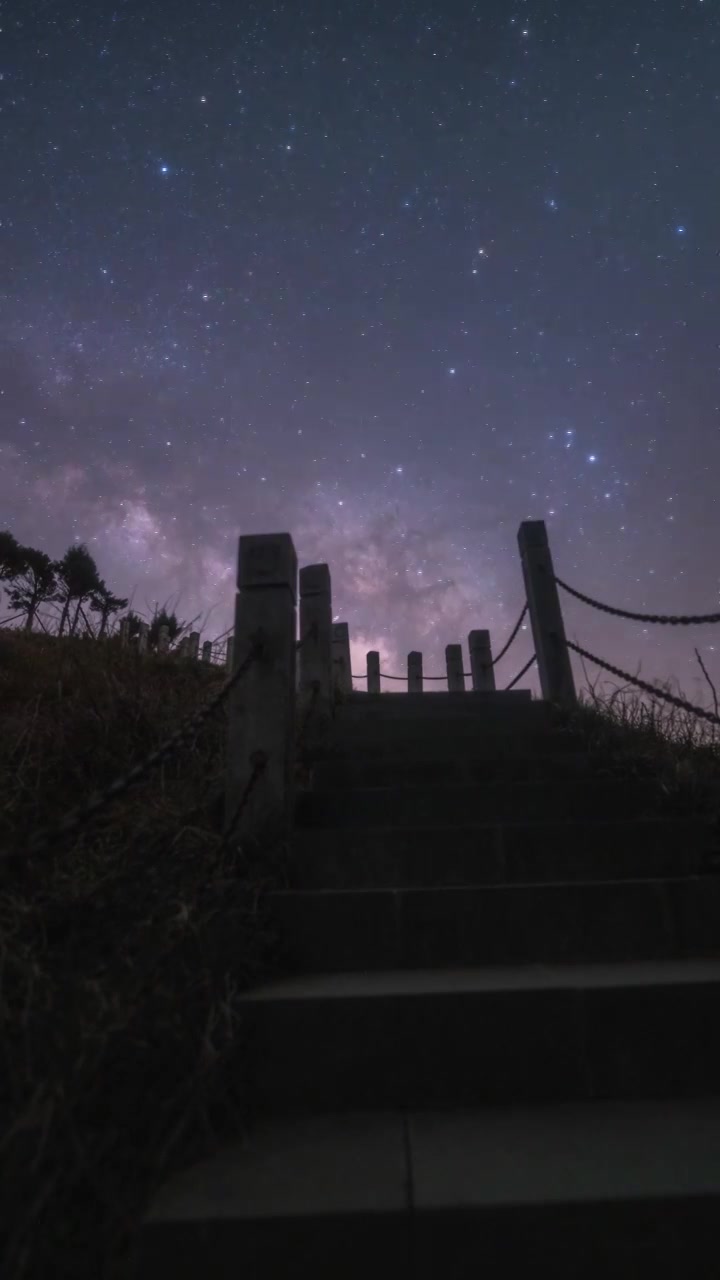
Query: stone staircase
{"x": 497, "y": 1046}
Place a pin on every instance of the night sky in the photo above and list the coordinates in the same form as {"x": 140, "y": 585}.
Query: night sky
{"x": 391, "y": 277}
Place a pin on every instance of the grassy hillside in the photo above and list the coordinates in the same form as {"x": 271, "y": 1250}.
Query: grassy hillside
{"x": 121, "y": 949}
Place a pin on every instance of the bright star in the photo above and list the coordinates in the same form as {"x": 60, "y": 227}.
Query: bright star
{"x": 592, "y": 458}
{"x": 680, "y": 231}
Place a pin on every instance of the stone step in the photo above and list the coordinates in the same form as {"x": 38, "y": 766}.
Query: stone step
{"x": 443, "y": 739}
{"x": 464, "y": 804}
{"x": 626, "y": 1190}
{"x": 507, "y": 853}
{"x": 427, "y": 1039}
{"x": 325, "y": 931}
{"x": 371, "y": 771}
{"x": 483, "y": 708}
{"x": 469, "y": 700}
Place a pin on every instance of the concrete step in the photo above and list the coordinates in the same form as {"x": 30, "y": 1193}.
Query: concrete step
{"x": 402, "y": 741}
{"x": 507, "y": 853}
{"x": 469, "y": 700}
{"x": 606, "y": 1189}
{"x": 398, "y": 771}
{"x": 468, "y": 1037}
{"x": 483, "y": 708}
{"x": 325, "y": 931}
{"x": 462, "y": 805}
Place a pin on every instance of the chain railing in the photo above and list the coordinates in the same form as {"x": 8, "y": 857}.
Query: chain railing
{"x": 673, "y": 620}
{"x": 644, "y": 685}
{"x": 520, "y": 674}
{"x": 80, "y": 816}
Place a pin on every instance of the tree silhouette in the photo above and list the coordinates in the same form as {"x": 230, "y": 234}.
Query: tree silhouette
{"x": 161, "y": 618}
{"x": 103, "y": 601}
{"x": 32, "y": 583}
{"x": 78, "y": 580}
{"x": 11, "y": 556}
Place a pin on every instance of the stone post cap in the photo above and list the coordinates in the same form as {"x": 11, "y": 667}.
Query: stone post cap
{"x": 415, "y": 656}
{"x": 453, "y": 650}
{"x": 532, "y": 533}
{"x": 479, "y": 639}
{"x": 340, "y": 631}
{"x": 267, "y": 560}
{"x": 315, "y": 580}
{"x": 373, "y": 656}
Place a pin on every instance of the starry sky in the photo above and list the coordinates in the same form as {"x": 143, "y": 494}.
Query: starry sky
{"x": 392, "y": 277}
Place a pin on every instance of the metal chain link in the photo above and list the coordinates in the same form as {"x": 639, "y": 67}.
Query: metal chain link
{"x": 520, "y": 674}
{"x": 642, "y": 684}
{"x": 78, "y": 817}
{"x": 516, "y": 628}
{"x": 672, "y": 620}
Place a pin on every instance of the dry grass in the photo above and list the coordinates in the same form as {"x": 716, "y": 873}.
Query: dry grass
{"x": 122, "y": 951}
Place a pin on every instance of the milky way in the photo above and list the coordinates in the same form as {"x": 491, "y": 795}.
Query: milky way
{"x": 391, "y": 277}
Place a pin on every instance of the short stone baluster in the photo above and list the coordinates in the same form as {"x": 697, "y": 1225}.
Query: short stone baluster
{"x": 163, "y": 640}
{"x": 454, "y": 666}
{"x": 553, "y": 658}
{"x": 192, "y": 645}
{"x": 373, "y": 672}
{"x": 261, "y": 704}
{"x": 207, "y": 651}
{"x": 342, "y": 675}
{"x": 142, "y": 640}
{"x": 124, "y": 631}
{"x": 415, "y": 672}
{"x": 315, "y": 653}
{"x": 481, "y": 667}
{"x": 229, "y": 653}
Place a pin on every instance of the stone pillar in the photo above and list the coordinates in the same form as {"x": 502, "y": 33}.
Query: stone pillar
{"x": 373, "y": 672}
{"x": 553, "y": 658}
{"x": 315, "y": 655}
{"x": 163, "y": 641}
{"x": 415, "y": 673}
{"x": 142, "y": 640}
{"x": 481, "y": 667}
{"x": 342, "y": 675}
{"x": 229, "y": 654}
{"x": 192, "y": 645}
{"x": 181, "y": 647}
{"x": 124, "y": 631}
{"x": 207, "y": 651}
{"x": 261, "y": 705}
{"x": 454, "y": 665}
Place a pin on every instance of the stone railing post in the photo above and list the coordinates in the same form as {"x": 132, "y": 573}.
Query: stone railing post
{"x": 342, "y": 675}
{"x": 415, "y": 672}
{"x": 553, "y": 658}
{"x": 163, "y": 640}
{"x": 229, "y": 653}
{"x": 315, "y": 653}
{"x": 192, "y": 645}
{"x": 181, "y": 647}
{"x": 142, "y": 642}
{"x": 124, "y": 631}
{"x": 454, "y": 666}
{"x": 261, "y": 705}
{"x": 207, "y": 651}
{"x": 373, "y": 672}
{"x": 481, "y": 667}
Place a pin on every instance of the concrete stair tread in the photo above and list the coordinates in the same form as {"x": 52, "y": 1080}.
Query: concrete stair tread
{"x": 480, "y": 980}
{"x": 358, "y": 1162}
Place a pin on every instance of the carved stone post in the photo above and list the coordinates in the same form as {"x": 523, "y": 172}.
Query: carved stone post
{"x": 483, "y": 672}
{"x": 454, "y": 665}
{"x": 163, "y": 641}
{"x": 342, "y": 675}
{"x": 261, "y": 705}
{"x": 373, "y": 672}
{"x": 315, "y": 654}
{"x": 229, "y": 654}
{"x": 553, "y": 658}
{"x": 124, "y": 631}
{"x": 207, "y": 651}
{"x": 192, "y": 645}
{"x": 142, "y": 641}
{"x": 415, "y": 673}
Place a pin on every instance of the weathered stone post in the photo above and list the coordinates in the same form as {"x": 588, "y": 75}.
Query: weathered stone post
{"x": 553, "y": 658}
{"x": 373, "y": 672}
{"x": 481, "y": 667}
{"x": 415, "y": 673}
{"x": 229, "y": 654}
{"x": 191, "y": 646}
{"x": 342, "y": 675}
{"x": 315, "y": 653}
{"x": 261, "y": 705}
{"x": 181, "y": 647}
{"x": 163, "y": 640}
{"x": 142, "y": 642}
{"x": 124, "y": 631}
{"x": 207, "y": 651}
{"x": 454, "y": 666}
